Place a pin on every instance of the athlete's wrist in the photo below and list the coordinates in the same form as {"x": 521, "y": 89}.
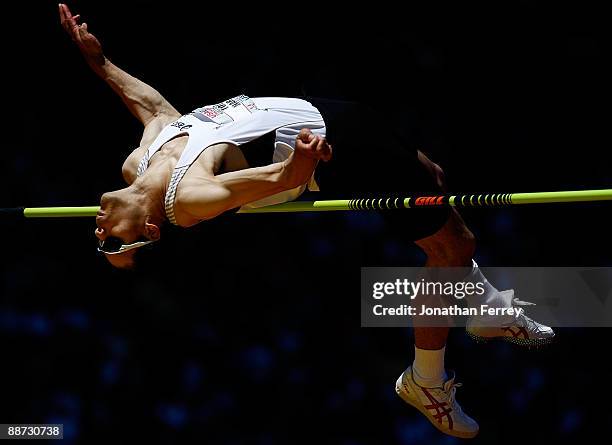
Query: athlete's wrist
{"x": 97, "y": 61}
{"x": 297, "y": 170}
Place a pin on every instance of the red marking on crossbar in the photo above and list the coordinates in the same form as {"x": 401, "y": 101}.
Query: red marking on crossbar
{"x": 429, "y": 200}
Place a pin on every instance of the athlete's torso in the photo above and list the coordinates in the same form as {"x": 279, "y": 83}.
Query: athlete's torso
{"x": 215, "y": 160}
{"x": 206, "y": 142}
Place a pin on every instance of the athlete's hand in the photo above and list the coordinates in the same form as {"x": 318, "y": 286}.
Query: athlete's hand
{"x": 312, "y": 145}
{"x": 88, "y": 44}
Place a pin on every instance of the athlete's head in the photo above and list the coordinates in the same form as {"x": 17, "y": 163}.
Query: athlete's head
{"x": 123, "y": 226}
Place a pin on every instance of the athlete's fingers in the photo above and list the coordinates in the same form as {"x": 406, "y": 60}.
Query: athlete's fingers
{"x": 305, "y": 135}
{"x": 313, "y": 147}
{"x": 306, "y": 138}
{"x": 64, "y": 19}
{"x": 66, "y": 11}
{"x": 69, "y": 24}
{"x": 81, "y": 32}
{"x": 84, "y": 30}
{"x": 329, "y": 153}
{"x": 313, "y": 141}
{"x": 320, "y": 145}
{"x": 61, "y": 13}
{"x": 70, "y": 20}
{"x": 323, "y": 150}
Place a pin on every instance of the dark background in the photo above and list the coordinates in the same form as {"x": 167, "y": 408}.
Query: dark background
{"x": 245, "y": 329}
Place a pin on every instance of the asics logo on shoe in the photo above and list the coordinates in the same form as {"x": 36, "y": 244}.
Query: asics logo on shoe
{"x": 440, "y": 407}
{"x": 518, "y": 332}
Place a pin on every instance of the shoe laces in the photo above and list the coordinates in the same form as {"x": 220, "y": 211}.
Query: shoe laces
{"x": 521, "y": 319}
{"x": 450, "y": 389}
{"x": 517, "y": 302}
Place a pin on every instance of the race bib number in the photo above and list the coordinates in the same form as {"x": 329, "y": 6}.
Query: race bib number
{"x": 226, "y": 112}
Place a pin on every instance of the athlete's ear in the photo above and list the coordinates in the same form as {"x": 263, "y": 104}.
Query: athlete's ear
{"x": 151, "y": 231}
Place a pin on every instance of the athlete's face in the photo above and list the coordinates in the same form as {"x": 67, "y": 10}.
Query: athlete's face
{"x": 118, "y": 221}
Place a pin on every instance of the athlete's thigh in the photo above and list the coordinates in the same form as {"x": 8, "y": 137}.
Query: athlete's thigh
{"x": 370, "y": 161}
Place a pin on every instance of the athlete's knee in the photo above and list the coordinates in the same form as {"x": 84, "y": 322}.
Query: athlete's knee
{"x": 439, "y": 177}
{"x": 436, "y": 172}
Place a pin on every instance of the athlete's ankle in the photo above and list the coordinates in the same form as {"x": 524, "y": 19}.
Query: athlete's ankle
{"x": 428, "y": 367}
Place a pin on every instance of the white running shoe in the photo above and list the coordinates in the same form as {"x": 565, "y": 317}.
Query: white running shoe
{"x": 438, "y": 405}
{"x": 519, "y": 329}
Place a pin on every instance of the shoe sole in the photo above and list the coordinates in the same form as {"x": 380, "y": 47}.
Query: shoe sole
{"x": 405, "y": 398}
{"x": 517, "y": 341}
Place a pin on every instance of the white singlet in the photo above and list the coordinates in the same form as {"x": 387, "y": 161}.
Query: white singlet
{"x": 238, "y": 121}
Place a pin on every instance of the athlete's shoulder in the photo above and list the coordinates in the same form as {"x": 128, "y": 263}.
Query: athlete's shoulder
{"x": 130, "y": 165}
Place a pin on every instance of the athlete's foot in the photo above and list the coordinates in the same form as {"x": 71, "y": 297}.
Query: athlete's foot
{"x": 519, "y": 329}
{"x": 438, "y": 405}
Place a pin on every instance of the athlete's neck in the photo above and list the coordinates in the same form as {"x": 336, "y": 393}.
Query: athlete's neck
{"x": 150, "y": 191}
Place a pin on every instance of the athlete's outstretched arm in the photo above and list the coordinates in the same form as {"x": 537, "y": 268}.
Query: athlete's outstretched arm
{"x": 227, "y": 191}
{"x": 142, "y": 100}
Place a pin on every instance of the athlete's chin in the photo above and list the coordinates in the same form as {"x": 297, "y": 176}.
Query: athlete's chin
{"x": 104, "y": 201}
{"x": 123, "y": 261}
